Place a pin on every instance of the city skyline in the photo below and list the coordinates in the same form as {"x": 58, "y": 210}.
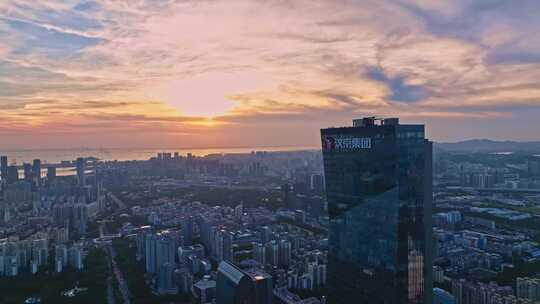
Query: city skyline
{"x": 375, "y": 215}
{"x": 247, "y": 73}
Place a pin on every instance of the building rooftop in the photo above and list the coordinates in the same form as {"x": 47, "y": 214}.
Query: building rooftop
{"x": 257, "y": 274}
{"x": 205, "y": 284}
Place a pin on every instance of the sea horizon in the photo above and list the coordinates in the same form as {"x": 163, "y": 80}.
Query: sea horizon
{"x": 56, "y": 155}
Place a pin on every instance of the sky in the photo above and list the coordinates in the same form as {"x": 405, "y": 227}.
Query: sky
{"x": 241, "y": 73}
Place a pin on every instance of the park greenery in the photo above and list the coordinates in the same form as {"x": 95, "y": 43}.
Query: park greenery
{"x": 48, "y": 285}
{"x": 213, "y": 196}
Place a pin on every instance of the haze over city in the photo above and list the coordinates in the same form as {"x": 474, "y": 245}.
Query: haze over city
{"x": 263, "y": 73}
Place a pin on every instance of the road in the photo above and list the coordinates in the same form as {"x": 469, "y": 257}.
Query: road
{"x": 110, "y": 291}
{"x": 118, "y": 202}
{"x": 110, "y": 287}
{"x": 122, "y": 283}
{"x": 492, "y": 190}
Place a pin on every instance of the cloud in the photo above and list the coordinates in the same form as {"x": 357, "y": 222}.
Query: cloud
{"x": 400, "y": 91}
{"x": 510, "y": 55}
{"x": 47, "y": 39}
{"x": 230, "y": 72}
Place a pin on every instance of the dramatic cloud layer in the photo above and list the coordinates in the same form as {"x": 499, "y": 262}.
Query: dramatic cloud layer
{"x": 116, "y": 73}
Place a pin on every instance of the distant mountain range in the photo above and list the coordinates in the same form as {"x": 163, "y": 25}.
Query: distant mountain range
{"x": 486, "y": 145}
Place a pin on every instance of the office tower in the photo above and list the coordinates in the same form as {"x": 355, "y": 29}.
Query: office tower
{"x": 378, "y": 186}
{"x": 262, "y": 286}
{"x": 4, "y": 168}
{"x": 36, "y": 172}
{"x": 27, "y": 172}
{"x": 233, "y": 286}
{"x": 236, "y": 286}
{"x": 81, "y": 168}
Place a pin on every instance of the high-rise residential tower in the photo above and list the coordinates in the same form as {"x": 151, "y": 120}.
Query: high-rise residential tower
{"x": 51, "y": 173}
{"x": 27, "y": 172}
{"x": 378, "y": 185}
{"x": 4, "y": 167}
{"x": 81, "y": 170}
{"x": 36, "y": 172}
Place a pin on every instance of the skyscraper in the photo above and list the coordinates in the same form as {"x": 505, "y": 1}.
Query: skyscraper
{"x": 36, "y": 172}
{"x": 150, "y": 253}
{"x": 378, "y": 184}
{"x": 27, "y": 172}
{"x": 51, "y": 173}
{"x": 228, "y": 246}
{"x": 236, "y": 286}
{"x": 233, "y": 286}
{"x": 224, "y": 245}
{"x": 187, "y": 230}
{"x": 81, "y": 168}
{"x": 165, "y": 280}
{"x": 13, "y": 174}
{"x": 262, "y": 286}
{"x": 165, "y": 250}
{"x": 4, "y": 167}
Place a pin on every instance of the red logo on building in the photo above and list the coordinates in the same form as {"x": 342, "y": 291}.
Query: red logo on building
{"x": 328, "y": 143}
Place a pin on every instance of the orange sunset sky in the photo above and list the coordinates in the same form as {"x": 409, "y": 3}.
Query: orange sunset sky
{"x": 198, "y": 73}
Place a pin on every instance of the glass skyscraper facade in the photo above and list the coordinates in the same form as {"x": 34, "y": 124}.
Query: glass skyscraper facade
{"x": 237, "y": 286}
{"x": 378, "y": 184}
{"x": 233, "y": 286}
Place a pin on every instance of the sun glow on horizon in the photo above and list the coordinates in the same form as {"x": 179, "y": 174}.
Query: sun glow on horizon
{"x": 207, "y": 95}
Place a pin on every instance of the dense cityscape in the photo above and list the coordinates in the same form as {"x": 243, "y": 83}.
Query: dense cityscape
{"x": 269, "y": 152}
{"x": 265, "y": 227}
